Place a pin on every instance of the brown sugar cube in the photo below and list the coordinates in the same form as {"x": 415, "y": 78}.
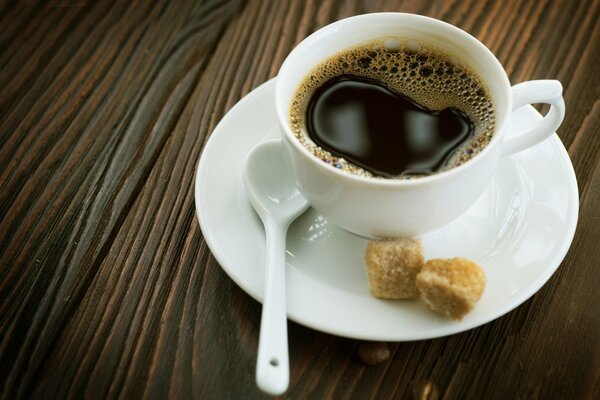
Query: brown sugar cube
{"x": 451, "y": 287}
{"x": 392, "y": 267}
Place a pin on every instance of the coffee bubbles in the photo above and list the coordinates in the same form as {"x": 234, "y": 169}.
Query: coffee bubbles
{"x": 424, "y": 74}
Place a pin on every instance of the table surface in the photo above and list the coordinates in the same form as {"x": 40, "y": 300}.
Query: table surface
{"x": 107, "y": 287}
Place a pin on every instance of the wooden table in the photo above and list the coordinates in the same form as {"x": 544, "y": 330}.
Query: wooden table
{"x": 107, "y": 287}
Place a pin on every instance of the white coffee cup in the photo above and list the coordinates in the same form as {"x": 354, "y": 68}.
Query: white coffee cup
{"x": 374, "y": 207}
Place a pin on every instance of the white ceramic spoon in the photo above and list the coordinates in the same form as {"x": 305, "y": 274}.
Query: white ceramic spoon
{"x": 272, "y": 191}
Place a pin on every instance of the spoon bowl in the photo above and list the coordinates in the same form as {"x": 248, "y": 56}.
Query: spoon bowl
{"x": 270, "y": 184}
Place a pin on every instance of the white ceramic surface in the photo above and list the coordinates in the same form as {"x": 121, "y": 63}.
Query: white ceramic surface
{"x": 519, "y": 231}
{"x": 391, "y": 207}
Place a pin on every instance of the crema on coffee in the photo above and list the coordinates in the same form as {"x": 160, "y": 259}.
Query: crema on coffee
{"x": 393, "y": 108}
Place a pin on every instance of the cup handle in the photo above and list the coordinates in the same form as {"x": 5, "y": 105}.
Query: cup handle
{"x": 532, "y": 92}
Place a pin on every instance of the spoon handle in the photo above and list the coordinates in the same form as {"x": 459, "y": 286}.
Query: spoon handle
{"x": 272, "y": 365}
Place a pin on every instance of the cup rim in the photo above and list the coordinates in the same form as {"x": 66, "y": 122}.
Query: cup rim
{"x": 382, "y": 181}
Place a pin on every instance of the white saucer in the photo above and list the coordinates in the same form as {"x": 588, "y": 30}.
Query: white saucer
{"x": 519, "y": 231}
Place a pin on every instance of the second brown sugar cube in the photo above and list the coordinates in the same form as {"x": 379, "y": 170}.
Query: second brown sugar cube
{"x": 451, "y": 287}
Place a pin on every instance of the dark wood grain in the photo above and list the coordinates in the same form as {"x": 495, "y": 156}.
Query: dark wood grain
{"x": 107, "y": 288}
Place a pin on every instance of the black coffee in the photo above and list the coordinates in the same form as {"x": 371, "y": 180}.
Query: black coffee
{"x": 384, "y": 132}
{"x": 393, "y": 108}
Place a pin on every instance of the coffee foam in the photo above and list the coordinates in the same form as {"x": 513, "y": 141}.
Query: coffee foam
{"x": 427, "y": 75}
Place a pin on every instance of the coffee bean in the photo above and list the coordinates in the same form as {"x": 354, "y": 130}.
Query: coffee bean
{"x": 425, "y": 390}
{"x": 373, "y": 353}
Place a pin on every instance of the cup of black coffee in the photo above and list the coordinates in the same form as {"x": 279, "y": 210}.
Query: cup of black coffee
{"x": 393, "y": 123}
